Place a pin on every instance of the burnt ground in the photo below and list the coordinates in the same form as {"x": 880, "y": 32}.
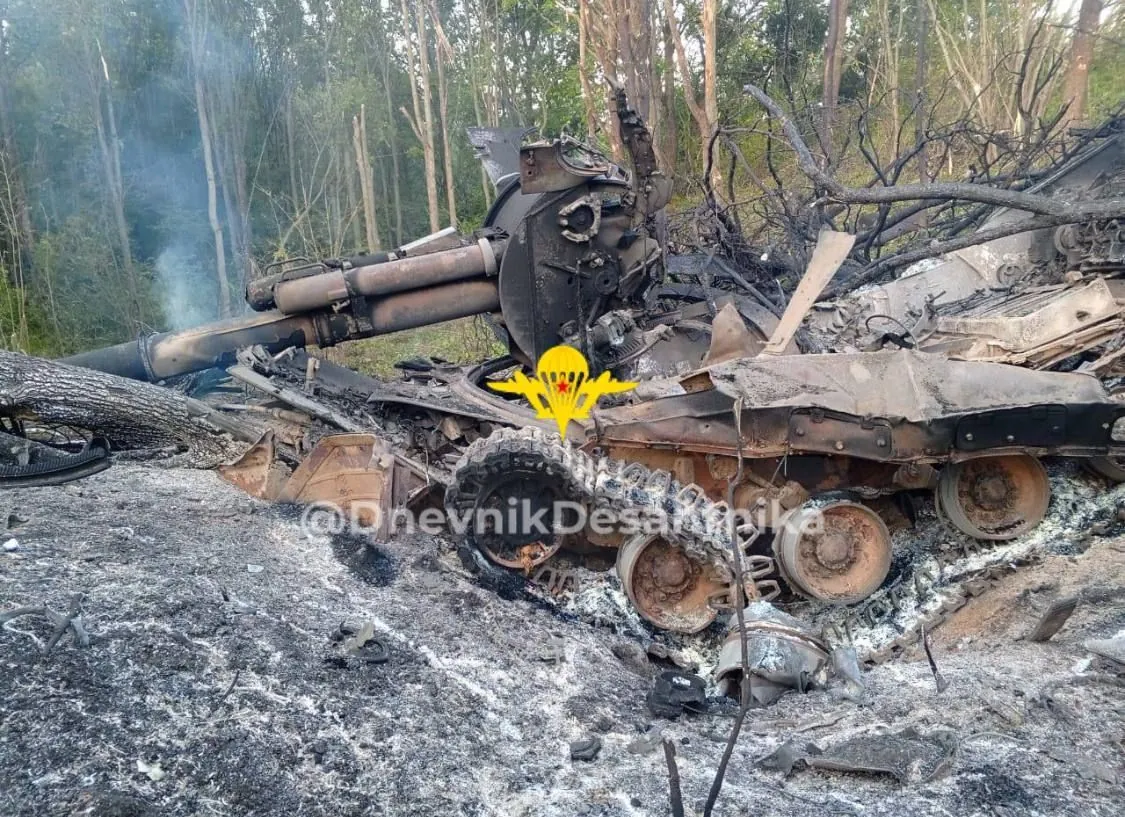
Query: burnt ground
{"x": 213, "y": 686}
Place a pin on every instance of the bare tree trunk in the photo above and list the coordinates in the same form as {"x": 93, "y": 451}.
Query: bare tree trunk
{"x": 833, "y": 68}
{"x": 355, "y": 206}
{"x": 106, "y": 127}
{"x": 291, "y": 150}
{"x": 444, "y": 54}
{"x": 446, "y": 146}
{"x": 583, "y": 72}
{"x": 212, "y": 200}
{"x": 392, "y": 140}
{"x": 669, "y": 144}
{"x": 228, "y": 123}
{"x": 380, "y": 168}
{"x": 422, "y": 123}
{"x": 921, "y": 115}
{"x": 634, "y": 53}
{"x": 710, "y": 71}
{"x": 622, "y": 18}
{"x": 890, "y": 36}
{"x": 710, "y": 76}
{"x": 1081, "y": 53}
{"x": 13, "y": 170}
{"x": 702, "y": 122}
{"x": 603, "y": 34}
{"x": 338, "y": 154}
{"x": 242, "y": 197}
{"x": 197, "y": 24}
{"x": 366, "y": 179}
{"x": 225, "y": 172}
{"x": 485, "y": 182}
{"x": 476, "y": 93}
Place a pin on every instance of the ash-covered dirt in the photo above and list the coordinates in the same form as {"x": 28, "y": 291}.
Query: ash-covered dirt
{"x": 213, "y": 686}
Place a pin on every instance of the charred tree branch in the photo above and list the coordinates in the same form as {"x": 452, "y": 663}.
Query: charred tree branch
{"x": 1068, "y": 211}
{"x": 674, "y": 794}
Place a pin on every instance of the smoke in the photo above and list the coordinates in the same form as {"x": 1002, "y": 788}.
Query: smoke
{"x": 187, "y": 297}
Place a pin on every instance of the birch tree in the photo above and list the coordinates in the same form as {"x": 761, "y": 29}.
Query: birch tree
{"x": 197, "y": 17}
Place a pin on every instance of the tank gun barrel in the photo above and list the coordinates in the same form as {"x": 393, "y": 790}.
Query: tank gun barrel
{"x": 169, "y": 354}
{"x": 319, "y": 286}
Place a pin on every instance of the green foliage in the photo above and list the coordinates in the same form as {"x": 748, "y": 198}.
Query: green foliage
{"x": 24, "y": 327}
{"x": 462, "y": 341}
{"x": 1107, "y": 88}
{"x": 81, "y": 293}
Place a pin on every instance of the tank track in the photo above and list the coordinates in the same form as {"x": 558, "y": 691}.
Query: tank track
{"x": 698, "y": 524}
{"x": 918, "y": 597}
{"x": 601, "y": 482}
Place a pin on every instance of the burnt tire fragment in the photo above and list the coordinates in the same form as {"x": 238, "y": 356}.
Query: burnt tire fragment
{"x": 57, "y": 470}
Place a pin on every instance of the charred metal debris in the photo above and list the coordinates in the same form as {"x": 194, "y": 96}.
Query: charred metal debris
{"x": 955, "y": 379}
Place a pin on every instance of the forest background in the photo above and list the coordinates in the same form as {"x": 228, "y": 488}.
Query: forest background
{"x": 156, "y": 154}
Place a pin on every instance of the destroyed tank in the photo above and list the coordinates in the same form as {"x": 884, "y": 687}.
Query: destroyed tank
{"x": 812, "y": 450}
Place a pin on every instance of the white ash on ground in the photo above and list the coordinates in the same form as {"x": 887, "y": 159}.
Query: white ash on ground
{"x": 208, "y": 688}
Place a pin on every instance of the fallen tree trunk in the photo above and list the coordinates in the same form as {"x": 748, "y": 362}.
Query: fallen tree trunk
{"x": 129, "y": 414}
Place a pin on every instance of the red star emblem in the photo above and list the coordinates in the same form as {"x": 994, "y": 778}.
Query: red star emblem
{"x": 562, "y": 387}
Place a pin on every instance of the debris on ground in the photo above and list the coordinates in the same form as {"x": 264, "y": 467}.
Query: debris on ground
{"x": 586, "y": 748}
{"x": 780, "y": 654}
{"x": 900, "y": 457}
{"x": 1054, "y": 619}
{"x": 907, "y": 756}
{"x": 1111, "y": 648}
{"x": 487, "y": 722}
{"x": 674, "y": 693}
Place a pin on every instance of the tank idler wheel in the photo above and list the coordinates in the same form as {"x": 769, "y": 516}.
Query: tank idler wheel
{"x": 1112, "y": 468}
{"x": 994, "y": 498}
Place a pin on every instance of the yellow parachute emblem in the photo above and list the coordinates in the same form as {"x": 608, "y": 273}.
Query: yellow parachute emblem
{"x": 562, "y": 389}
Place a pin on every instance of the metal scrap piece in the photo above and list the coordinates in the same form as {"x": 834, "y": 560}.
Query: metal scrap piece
{"x": 908, "y": 756}
{"x": 293, "y": 398}
{"x": 786, "y": 757}
{"x": 675, "y": 693}
{"x": 845, "y": 664}
{"x": 730, "y": 339}
{"x": 830, "y": 251}
{"x": 1111, "y": 648}
{"x": 781, "y": 655}
{"x": 1032, "y": 328}
{"x": 1053, "y": 620}
{"x": 939, "y": 679}
{"x": 647, "y": 742}
{"x": 257, "y": 471}
{"x": 353, "y": 473}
